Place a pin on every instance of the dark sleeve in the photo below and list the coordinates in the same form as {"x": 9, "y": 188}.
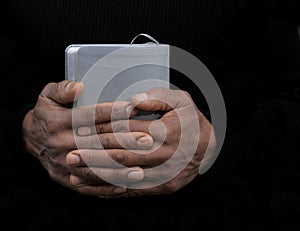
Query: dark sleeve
{"x": 13, "y": 107}
{"x": 21, "y": 82}
{"x": 17, "y": 92}
{"x": 24, "y": 72}
{"x": 261, "y": 150}
{"x": 278, "y": 114}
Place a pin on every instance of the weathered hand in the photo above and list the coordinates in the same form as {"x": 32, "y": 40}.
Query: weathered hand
{"x": 183, "y": 130}
{"x": 48, "y": 135}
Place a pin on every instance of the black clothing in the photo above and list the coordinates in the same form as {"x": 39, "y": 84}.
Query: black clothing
{"x": 252, "y": 49}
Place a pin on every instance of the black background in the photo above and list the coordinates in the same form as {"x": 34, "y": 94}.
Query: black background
{"x": 251, "y": 48}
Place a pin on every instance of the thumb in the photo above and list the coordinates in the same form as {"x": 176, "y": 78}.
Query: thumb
{"x": 160, "y": 99}
{"x": 63, "y": 92}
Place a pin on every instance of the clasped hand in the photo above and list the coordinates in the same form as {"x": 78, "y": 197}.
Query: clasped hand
{"x": 98, "y": 150}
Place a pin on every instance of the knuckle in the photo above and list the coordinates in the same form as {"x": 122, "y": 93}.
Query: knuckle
{"x": 120, "y": 158}
{"x": 55, "y": 88}
{"x": 91, "y": 115}
{"x": 95, "y": 143}
{"x": 56, "y": 143}
{"x": 49, "y": 87}
{"x": 171, "y": 187}
{"x": 55, "y": 161}
{"x": 60, "y": 91}
{"x": 173, "y": 136}
{"x": 51, "y": 124}
{"x": 87, "y": 112}
{"x": 105, "y": 142}
{"x": 60, "y": 96}
{"x": 118, "y": 109}
{"x": 135, "y": 193}
{"x": 172, "y": 130}
{"x": 187, "y": 94}
{"x": 44, "y": 153}
{"x": 184, "y": 97}
{"x": 104, "y": 193}
{"x": 64, "y": 83}
{"x": 52, "y": 142}
{"x": 101, "y": 128}
{"x": 156, "y": 159}
{"x": 82, "y": 190}
{"x": 98, "y": 112}
{"x": 90, "y": 175}
{"x": 195, "y": 164}
{"x": 120, "y": 126}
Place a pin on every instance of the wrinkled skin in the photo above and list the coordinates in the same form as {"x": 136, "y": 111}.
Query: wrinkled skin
{"x": 81, "y": 164}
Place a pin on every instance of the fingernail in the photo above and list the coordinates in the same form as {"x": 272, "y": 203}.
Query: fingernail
{"x": 76, "y": 180}
{"x": 120, "y": 190}
{"x": 141, "y": 97}
{"x": 84, "y": 131}
{"x": 136, "y": 175}
{"x": 145, "y": 141}
{"x": 73, "y": 159}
